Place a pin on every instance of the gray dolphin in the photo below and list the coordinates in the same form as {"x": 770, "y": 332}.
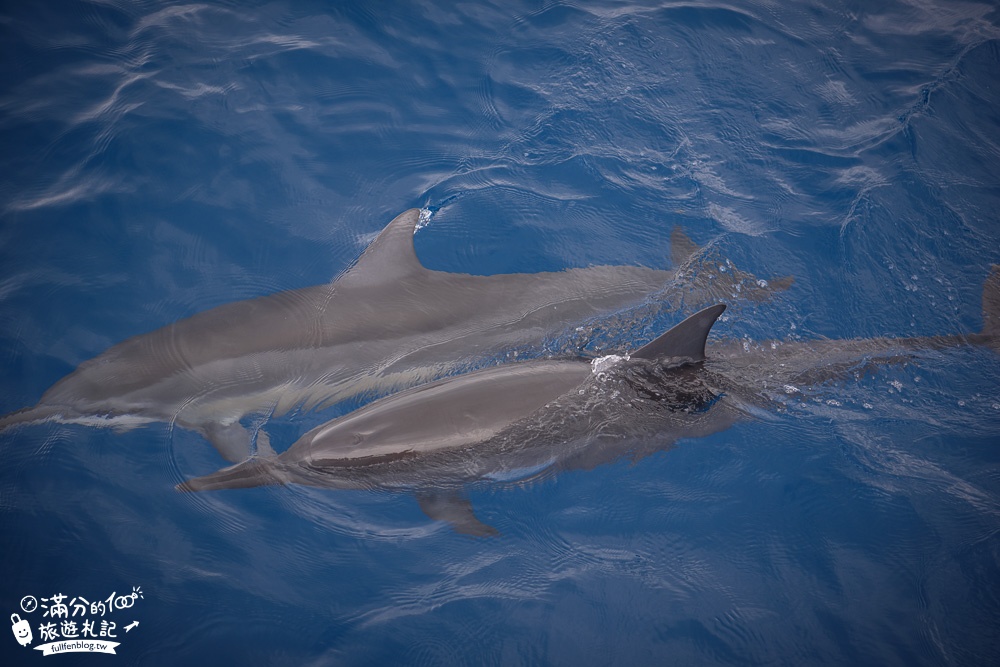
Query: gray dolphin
{"x": 519, "y": 420}
{"x": 387, "y": 323}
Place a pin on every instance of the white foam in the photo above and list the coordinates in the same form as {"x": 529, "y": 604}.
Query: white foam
{"x": 424, "y": 220}
{"x": 601, "y": 364}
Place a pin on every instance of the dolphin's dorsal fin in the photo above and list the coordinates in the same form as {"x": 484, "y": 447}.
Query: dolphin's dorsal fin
{"x": 390, "y": 257}
{"x": 681, "y": 247}
{"x": 686, "y": 340}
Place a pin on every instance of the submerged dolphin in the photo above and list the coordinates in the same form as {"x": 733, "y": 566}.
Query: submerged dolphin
{"x": 387, "y": 323}
{"x": 523, "y": 419}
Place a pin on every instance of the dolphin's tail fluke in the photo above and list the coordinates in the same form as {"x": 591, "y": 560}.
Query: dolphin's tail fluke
{"x": 250, "y": 473}
{"x": 991, "y": 308}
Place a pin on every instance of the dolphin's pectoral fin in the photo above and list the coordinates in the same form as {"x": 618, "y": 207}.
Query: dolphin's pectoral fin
{"x": 768, "y": 287}
{"x": 455, "y": 510}
{"x": 252, "y": 472}
{"x": 781, "y": 284}
{"x": 232, "y": 441}
{"x": 263, "y": 445}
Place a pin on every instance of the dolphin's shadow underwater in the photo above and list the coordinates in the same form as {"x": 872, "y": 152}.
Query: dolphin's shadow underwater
{"x": 387, "y": 323}
{"x": 518, "y": 421}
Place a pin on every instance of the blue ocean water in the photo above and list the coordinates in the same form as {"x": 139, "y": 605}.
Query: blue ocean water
{"x": 162, "y": 159}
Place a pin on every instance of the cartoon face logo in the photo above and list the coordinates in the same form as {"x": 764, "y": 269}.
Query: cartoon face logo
{"x": 22, "y": 631}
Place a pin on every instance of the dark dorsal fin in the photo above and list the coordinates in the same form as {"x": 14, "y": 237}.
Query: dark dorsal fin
{"x": 681, "y": 247}
{"x": 390, "y": 257}
{"x": 686, "y": 340}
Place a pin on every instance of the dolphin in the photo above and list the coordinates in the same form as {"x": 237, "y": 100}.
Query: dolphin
{"x": 517, "y": 421}
{"x": 388, "y": 322}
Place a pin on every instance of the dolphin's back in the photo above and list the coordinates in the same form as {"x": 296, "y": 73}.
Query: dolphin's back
{"x": 445, "y": 414}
